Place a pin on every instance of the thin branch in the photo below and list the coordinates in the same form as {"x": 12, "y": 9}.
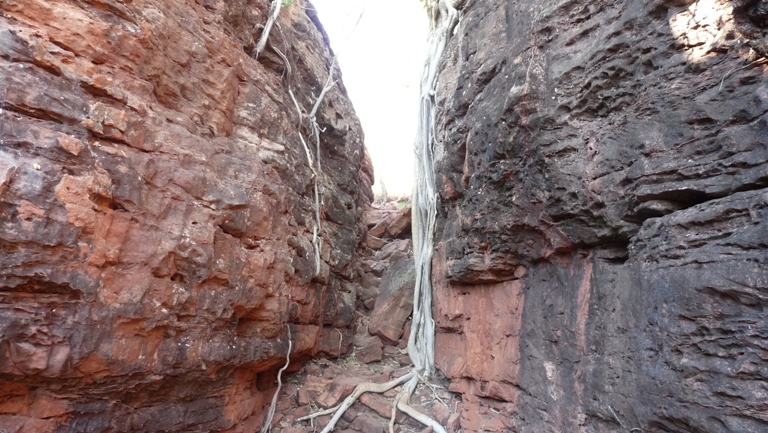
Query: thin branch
{"x": 617, "y": 417}
{"x": 762, "y": 59}
{"x": 306, "y": 148}
{"x": 282, "y": 56}
{"x": 433, "y": 388}
{"x": 341, "y": 340}
{"x": 317, "y": 243}
{"x": 630, "y": 430}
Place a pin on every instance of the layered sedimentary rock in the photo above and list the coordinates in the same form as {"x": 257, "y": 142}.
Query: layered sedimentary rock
{"x": 157, "y": 212}
{"x": 603, "y": 233}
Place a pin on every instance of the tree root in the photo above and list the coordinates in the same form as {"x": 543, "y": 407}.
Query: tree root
{"x": 360, "y": 390}
{"x": 405, "y": 407}
{"x": 319, "y": 413}
{"x": 444, "y": 17}
{"x": 274, "y": 11}
{"x": 314, "y": 163}
{"x": 267, "y": 427}
{"x": 401, "y": 402}
{"x": 393, "y": 413}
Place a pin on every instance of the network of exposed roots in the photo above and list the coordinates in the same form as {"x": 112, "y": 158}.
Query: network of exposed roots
{"x": 443, "y": 15}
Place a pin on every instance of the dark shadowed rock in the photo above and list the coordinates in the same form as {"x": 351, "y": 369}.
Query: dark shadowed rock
{"x": 601, "y": 255}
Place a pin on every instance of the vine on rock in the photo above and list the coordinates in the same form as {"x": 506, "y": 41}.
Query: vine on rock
{"x": 444, "y": 17}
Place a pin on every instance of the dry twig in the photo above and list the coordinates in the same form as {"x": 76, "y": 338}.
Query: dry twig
{"x": 722, "y": 80}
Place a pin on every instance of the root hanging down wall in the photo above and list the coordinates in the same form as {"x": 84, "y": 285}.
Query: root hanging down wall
{"x": 601, "y": 248}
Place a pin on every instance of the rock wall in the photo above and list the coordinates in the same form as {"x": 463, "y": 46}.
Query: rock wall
{"x": 157, "y": 216}
{"x": 603, "y": 217}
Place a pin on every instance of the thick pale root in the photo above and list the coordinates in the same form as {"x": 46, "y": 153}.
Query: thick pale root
{"x": 267, "y": 427}
{"x": 444, "y": 17}
{"x": 274, "y": 12}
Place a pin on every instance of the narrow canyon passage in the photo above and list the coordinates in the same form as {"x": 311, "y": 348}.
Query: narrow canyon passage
{"x": 181, "y": 206}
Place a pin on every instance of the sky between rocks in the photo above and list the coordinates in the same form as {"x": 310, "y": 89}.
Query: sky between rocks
{"x": 381, "y": 65}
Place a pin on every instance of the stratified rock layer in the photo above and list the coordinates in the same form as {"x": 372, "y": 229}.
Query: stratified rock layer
{"x": 157, "y": 212}
{"x": 602, "y": 263}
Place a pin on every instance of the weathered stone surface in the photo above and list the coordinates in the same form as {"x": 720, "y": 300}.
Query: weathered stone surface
{"x": 586, "y": 121}
{"x": 380, "y": 229}
{"x": 369, "y": 423}
{"x": 374, "y": 243}
{"x": 401, "y": 225}
{"x": 479, "y": 343}
{"x": 703, "y": 280}
{"x": 377, "y": 403}
{"x": 315, "y": 385}
{"x": 395, "y": 301}
{"x": 440, "y": 413}
{"x": 338, "y": 390}
{"x": 156, "y": 212}
{"x": 368, "y": 348}
{"x": 401, "y": 246}
{"x": 334, "y": 342}
{"x": 389, "y": 223}
{"x": 601, "y": 258}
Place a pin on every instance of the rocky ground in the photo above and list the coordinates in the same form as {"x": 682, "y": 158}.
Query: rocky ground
{"x": 379, "y": 353}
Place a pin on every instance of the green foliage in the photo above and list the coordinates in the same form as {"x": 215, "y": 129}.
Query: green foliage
{"x": 403, "y": 202}
{"x": 287, "y": 3}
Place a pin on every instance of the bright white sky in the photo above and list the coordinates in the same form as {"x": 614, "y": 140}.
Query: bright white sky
{"x": 381, "y": 64}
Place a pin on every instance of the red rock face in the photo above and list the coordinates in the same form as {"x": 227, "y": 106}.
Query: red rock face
{"x": 601, "y": 258}
{"x": 156, "y": 213}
